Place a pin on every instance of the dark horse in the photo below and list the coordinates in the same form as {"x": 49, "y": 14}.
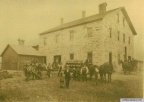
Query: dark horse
{"x": 104, "y": 69}
{"x": 91, "y": 69}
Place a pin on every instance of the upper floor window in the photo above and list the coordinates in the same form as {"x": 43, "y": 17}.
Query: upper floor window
{"x": 129, "y": 40}
{"x": 89, "y": 32}
{"x": 57, "y": 38}
{"x": 118, "y": 17}
{"x": 110, "y": 32}
{"x": 123, "y": 37}
{"x": 118, "y": 32}
{"x": 45, "y": 41}
{"x": 123, "y": 21}
{"x": 72, "y": 35}
{"x": 71, "y": 56}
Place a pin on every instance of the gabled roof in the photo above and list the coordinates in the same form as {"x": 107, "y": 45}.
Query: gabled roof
{"x": 23, "y": 50}
{"x": 91, "y": 19}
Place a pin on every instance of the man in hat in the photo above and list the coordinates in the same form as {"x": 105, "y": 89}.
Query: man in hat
{"x": 59, "y": 68}
{"x": 84, "y": 72}
{"x": 49, "y": 67}
{"x": 67, "y": 76}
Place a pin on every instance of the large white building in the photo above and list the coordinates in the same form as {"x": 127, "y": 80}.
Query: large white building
{"x": 107, "y": 36}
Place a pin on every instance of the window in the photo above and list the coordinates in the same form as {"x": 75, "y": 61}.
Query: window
{"x": 123, "y": 37}
{"x": 129, "y": 40}
{"x": 72, "y": 35}
{"x": 89, "y": 57}
{"x": 110, "y": 32}
{"x": 44, "y": 41}
{"x": 71, "y": 56}
{"x": 89, "y": 32}
{"x": 118, "y": 35}
{"x": 123, "y": 21}
{"x": 118, "y": 17}
{"x": 57, "y": 38}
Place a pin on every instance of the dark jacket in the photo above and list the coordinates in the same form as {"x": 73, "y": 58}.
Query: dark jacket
{"x": 67, "y": 74}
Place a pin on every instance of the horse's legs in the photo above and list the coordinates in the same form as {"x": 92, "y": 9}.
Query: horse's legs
{"x": 108, "y": 77}
{"x": 96, "y": 78}
{"x": 124, "y": 71}
{"x": 101, "y": 77}
{"x": 105, "y": 78}
{"x": 91, "y": 76}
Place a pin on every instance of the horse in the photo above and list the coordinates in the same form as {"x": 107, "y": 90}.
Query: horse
{"x": 91, "y": 69}
{"x": 33, "y": 71}
{"x": 106, "y": 68}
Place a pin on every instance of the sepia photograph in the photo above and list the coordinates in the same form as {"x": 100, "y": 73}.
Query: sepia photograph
{"x": 71, "y": 50}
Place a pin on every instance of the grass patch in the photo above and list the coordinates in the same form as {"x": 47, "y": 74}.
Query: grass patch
{"x": 120, "y": 89}
{"x": 8, "y": 93}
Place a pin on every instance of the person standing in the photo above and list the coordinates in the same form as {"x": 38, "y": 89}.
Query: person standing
{"x": 59, "y": 68}
{"x": 61, "y": 80}
{"x": 74, "y": 73}
{"x": 49, "y": 70}
{"x": 84, "y": 72}
{"x": 96, "y": 74}
{"x": 67, "y": 77}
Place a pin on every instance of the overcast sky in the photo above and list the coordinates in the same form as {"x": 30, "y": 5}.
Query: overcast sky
{"x": 27, "y": 18}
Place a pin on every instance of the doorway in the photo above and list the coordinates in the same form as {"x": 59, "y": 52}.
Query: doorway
{"x": 110, "y": 58}
{"x": 57, "y": 58}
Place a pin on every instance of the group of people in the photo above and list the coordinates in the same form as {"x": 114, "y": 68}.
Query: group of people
{"x": 76, "y": 73}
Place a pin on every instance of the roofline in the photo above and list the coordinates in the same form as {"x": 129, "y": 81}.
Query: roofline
{"x": 17, "y": 53}
{"x": 6, "y": 49}
{"x": 129, "y": 21}
{"x": 32, "y": 55}
{"x": 69, "y": 26}
{"x": 120, "y": 8}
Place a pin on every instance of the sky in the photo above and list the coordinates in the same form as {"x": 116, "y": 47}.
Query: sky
{"x": 25, "y": 19}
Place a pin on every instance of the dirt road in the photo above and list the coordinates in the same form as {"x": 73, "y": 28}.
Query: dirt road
{"x": 17, "y": 89}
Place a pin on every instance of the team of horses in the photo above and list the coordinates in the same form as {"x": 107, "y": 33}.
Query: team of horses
{"x": 34, "y": 71}
{"x": 105, "y": 70}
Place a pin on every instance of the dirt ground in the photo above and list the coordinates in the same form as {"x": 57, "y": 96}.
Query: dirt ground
{"x": 122, "y": 86}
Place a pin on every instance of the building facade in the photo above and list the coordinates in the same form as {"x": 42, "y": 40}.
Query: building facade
{"x": 14, "y": 56}
{"x": 104, "y": 37}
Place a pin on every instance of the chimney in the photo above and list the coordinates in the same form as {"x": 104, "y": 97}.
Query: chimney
{"x": 102, "y": 8}
{"x": 62, "y": 21}
{"x": 21, "y": 42}
{"x": 83, "y": 14}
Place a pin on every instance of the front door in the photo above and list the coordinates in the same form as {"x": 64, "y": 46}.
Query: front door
{"x": 57, "y": 58}
{"x": 110, "y": 58}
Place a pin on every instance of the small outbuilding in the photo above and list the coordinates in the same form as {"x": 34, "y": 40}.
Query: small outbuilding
{"x": 14, "y": 56}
